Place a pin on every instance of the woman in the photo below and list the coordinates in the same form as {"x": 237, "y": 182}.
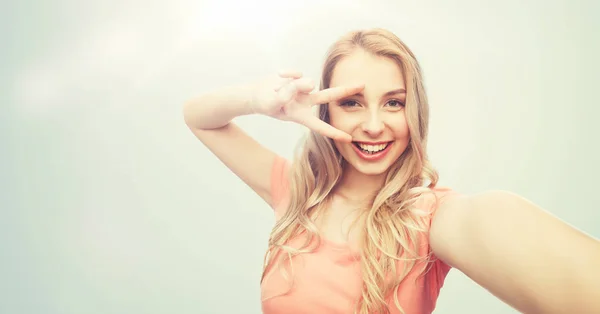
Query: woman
{"x": 361, "y": 225}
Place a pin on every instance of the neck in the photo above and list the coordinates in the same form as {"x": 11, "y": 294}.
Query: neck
{"x": 357, "y": 186}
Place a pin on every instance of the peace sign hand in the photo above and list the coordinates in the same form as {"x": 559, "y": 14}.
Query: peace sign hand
{"x": 289, "y": 98}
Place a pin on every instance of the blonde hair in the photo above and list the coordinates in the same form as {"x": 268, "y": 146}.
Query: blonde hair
{"x": 392, "y": 227}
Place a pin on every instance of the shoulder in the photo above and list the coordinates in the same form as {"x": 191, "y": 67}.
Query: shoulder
{"x": 431, "y": 200}
{"x": 427, "y": 206}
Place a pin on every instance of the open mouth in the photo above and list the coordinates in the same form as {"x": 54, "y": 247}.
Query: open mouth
{"x": 370, "y": 148}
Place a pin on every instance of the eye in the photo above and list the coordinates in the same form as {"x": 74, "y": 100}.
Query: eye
{"x": 395, "y": 103}
{"x": 348, "y": 103}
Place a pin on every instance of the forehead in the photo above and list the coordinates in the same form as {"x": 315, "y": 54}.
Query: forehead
{"x": 379, "y": 74}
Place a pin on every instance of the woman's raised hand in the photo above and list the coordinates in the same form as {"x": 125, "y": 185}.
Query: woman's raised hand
{"x": 289, "y": 98}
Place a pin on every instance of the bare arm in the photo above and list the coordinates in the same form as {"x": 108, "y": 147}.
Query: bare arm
{"x": 523, "y": 255}
{"x": 286, "y": 98}
{"x": 217, "y": 109}
{"x": 209, "y": 118}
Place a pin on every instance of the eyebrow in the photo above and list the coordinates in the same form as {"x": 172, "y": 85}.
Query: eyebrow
{"x": 390, "y": 93}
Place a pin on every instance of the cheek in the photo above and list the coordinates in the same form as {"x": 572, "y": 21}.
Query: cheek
{"x": 339, "y": 120}
{"x": 400, "y": 126}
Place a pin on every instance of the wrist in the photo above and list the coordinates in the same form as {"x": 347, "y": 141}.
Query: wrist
{"x": 249, "y": 99}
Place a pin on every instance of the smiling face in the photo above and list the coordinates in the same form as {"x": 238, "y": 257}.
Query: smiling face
{"x": 375, "y": 118}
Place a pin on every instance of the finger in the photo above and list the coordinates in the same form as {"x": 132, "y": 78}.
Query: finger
{"x": 324, "y": 129}
{"x": 304, "y": 85}
{"x": 282, "y": 83}
{"x": 290, "y": 74}
{"x": 287, "y": 93}
{"x": 335, "y": 93}
{"x": 287, "y": 76}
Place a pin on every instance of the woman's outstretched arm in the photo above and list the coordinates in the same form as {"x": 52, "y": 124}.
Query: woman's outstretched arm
{"x": 520, "y": 253}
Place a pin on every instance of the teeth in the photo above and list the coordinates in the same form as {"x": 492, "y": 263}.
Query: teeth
{"x": 372, "y": 148}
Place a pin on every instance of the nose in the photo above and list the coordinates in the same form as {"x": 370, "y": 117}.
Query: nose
{"x": 373, "y": 126}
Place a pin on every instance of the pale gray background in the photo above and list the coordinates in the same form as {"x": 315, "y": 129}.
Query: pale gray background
{"x": 110, "y": 205}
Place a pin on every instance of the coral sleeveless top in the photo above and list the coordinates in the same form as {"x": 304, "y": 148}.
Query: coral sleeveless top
{"x": 329, "y": 281}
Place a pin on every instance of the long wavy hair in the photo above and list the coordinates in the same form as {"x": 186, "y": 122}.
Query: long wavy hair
{"x": 391, "y": 223}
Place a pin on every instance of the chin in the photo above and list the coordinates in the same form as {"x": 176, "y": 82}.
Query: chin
{"x": 373, "y": 169}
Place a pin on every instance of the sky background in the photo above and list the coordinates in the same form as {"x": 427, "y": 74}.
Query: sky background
{"x": 109, "y": 204}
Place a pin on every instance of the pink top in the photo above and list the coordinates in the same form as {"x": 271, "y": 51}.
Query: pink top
{"x": 328, "y": 280}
